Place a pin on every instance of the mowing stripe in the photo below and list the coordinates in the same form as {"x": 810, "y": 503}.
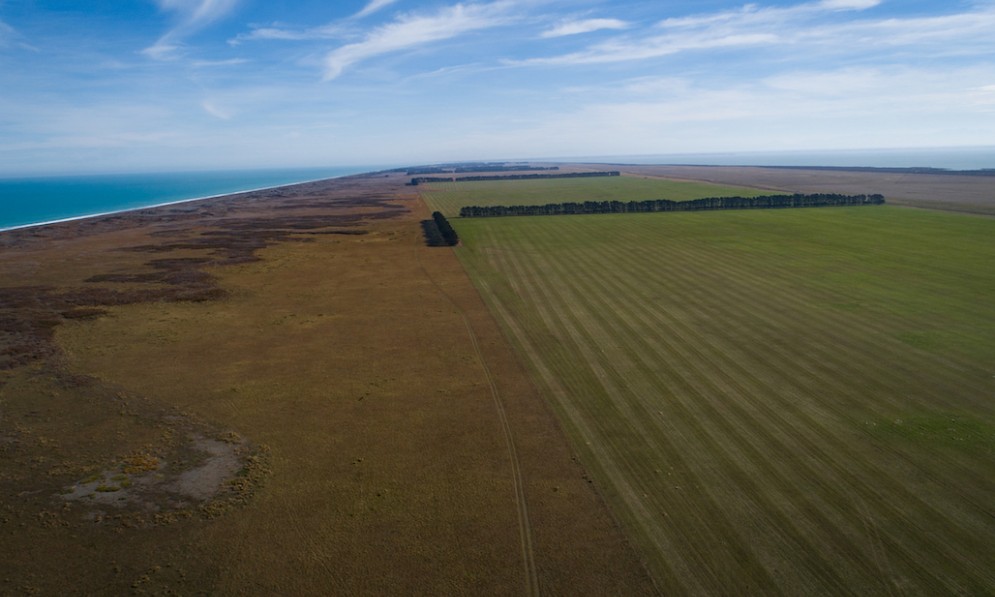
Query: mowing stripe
{"x": 685, "y": 386}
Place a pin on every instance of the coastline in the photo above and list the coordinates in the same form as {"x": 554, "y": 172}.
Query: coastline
{"x": 175, "y": 202}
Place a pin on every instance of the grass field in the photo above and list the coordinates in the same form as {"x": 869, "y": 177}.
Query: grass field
{"x": 449, "y": 197}
{"x": 774, "y": 402}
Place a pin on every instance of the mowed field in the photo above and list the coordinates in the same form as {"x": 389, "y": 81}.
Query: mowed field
{"x": 772, "y": 401}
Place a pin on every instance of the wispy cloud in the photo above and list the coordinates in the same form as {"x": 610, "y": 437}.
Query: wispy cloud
{"x": 409, "y": 31}
{"x": 334, "y": 30}
{"x": 9, "y": 37}
{"x": 6, "y": 34}
{"x": 214, "y": 110}
{"x": 214, "y": 63}
{"x": 281, "y": 33}
{"x": 584, "y": 26}
{"x": 800, "y": 26}
{"x": 193, "y": 16}
{"x": 848, "y": 4}
{"x": 372, "y": 7}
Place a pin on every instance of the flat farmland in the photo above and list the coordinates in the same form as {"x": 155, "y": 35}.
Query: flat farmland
{"x": 449, "y": 197}
{"x": 772, "y": 401}
{"x": 968, "y": 193}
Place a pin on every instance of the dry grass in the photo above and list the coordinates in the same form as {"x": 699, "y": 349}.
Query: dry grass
{"x": 356, "y": 361}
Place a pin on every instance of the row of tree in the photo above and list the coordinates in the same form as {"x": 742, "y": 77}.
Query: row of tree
{"x": 654, "y": 205}
{"x": 449, "y": 236}
{"x": 479, "y": 168}
{"x": 423, "y": 179}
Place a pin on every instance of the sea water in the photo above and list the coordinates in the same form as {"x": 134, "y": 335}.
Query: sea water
{"x": 28, "y": 201}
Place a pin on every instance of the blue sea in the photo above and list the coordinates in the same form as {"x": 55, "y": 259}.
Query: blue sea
{"x": 27, "y": 201}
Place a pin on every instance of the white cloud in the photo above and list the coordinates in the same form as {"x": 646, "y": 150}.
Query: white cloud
{"x": 10, "y": 37}
{"x": 848, "y": 4}
{"x": 845, "y": 108}
{"x": 410, "y": 31}
{"x": 214, "y": 110}
{"x": 983, "y": 95}
{"x": 6, "y": 34}
{"x": 799, "y": 29}
{"x": 584, "y": 26}
{"x": 329, "y": 31}
{"x": 654, "y": 47}
{"x": 194, "y": 15}
{"x": 372, "y": 7}
{"x": 212, "y": 63}
{"x": 278, "y": 33}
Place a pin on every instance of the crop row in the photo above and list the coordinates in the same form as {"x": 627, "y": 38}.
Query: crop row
{"x": 742, "y": 386}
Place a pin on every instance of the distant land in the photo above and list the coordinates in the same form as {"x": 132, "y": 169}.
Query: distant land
{"x": 36, "y": 199}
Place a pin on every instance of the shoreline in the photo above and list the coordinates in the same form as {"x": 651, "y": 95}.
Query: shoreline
{"x": 168, "y": 203}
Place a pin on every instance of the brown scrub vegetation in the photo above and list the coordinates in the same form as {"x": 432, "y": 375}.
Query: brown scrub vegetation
{"x": 278, "y": 392}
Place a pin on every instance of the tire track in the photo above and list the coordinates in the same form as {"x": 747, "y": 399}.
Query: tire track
{"x": 521, "y": 504}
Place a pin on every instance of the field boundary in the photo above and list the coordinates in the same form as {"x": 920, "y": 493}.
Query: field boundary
{"x": 521, "y": 503}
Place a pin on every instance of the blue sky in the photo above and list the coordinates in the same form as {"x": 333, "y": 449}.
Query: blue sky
{"x": 118, "y": 85}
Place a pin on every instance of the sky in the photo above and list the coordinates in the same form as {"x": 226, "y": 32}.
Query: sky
{"x": 146, "y": 85}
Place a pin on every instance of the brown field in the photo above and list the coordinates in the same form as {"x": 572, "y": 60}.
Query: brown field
{"x": 283, "y": 392}
{"x": 951, "y": 192}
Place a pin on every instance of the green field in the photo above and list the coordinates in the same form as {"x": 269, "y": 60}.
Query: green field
{"x": 783, "y": 401}
{"x": 449, "y": 197}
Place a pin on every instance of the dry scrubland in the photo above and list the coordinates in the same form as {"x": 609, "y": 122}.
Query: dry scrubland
{"x": 283, "y": 392}
{"x": 773, "y": 401}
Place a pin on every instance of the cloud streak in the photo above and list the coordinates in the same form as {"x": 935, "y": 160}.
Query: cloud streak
{"x": 329, "y": 31}
{"x": 6, "y": 34}
{"x": 410, "y": 31}
{"x": 9, "y": 37}
{"x": 372, "y": 7}
{"x": 194, "y": 15}
{"x": 800, "y": 27}
{"x": 584, "y": 26}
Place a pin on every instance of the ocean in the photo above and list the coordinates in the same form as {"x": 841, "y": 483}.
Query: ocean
{"x": 36, "y": 200}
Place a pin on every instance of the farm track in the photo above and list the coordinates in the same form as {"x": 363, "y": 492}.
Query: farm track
{"x": 767, "y": 445}
{"x": 524, "y": 526}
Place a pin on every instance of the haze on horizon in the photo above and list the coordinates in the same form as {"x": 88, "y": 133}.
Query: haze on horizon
{"x": 196, "y": 84}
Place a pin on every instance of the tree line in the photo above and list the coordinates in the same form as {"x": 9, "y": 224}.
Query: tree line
{"x": 423, "y": 179}
{"x": 482, "y": 168}
{"x": 439, "y": 232}
{"x": 655, "y": 205}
